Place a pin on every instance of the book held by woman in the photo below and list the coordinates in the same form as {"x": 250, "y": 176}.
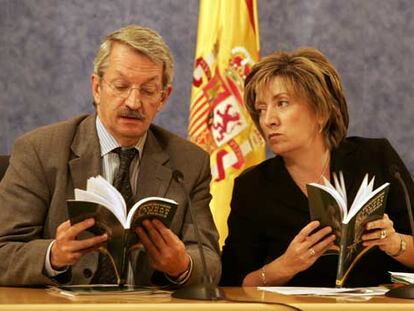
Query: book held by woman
{"x": 328, "y": 203}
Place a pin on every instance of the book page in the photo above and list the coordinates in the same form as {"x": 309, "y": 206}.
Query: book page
{"x": 335, "y": 194}
{"x": 363, "y": 200}
{"x": 364, "y": 190}
{"x": 103, "y": 188}
{"x": 340, "y": 186}
{"x": 82, "y": 195}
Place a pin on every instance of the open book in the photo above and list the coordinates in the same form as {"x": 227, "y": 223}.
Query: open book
{"x": 328, "y": 203}
{"x": 105, "y": 203}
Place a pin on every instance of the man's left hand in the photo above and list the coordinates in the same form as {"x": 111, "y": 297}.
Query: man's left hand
{"x": 165, "y": 250}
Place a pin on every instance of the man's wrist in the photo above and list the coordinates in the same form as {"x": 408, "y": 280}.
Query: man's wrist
{"x": 51, "y": 272}
{"x": 183, "y": 277}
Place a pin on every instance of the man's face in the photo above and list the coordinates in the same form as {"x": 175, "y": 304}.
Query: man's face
{"x": 129, "y": 94}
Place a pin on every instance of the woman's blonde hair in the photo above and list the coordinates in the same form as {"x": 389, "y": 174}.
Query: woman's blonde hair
{"x": 142, "y": 39}
{"x": 306, "y": 72}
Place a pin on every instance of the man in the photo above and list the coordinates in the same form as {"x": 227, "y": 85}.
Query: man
{"x": 131, "y": 82}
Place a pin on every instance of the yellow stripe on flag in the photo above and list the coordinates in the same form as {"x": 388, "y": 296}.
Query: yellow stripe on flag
{"x": 227, "y": 47}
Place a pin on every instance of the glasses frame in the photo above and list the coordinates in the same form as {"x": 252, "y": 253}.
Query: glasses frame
{"x": 128, "y": 92}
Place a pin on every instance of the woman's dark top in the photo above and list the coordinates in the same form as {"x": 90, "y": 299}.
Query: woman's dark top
{"x": 268, "y": 210}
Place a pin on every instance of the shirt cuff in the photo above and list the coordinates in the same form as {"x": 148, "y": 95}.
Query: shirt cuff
{"x": 48, "y": 266}
{"x": 183, "y": 277}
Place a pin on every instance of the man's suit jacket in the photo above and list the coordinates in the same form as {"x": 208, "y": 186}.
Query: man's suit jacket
{"x": 48, "y": 163}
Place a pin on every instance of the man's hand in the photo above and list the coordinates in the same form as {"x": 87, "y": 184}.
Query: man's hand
{"x": 66, "y": 250}
{"x": 165, "y": 250}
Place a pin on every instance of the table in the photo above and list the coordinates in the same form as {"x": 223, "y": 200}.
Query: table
{"x": 15, "y": 298}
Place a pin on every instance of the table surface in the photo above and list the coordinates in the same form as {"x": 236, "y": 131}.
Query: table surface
{"x": 15, "y": 298}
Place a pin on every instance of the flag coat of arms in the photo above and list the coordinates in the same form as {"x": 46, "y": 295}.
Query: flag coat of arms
{"x": 227, "y": 47}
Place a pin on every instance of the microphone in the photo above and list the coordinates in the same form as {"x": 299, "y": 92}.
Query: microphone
{"x": 206, "y": 290}
{"x": 406, "y": 292}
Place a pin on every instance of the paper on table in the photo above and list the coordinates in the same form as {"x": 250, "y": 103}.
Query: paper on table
{"x": 326, "y": 291}
{"x": 402, "y": 277}
{"x": 76, "y": 292}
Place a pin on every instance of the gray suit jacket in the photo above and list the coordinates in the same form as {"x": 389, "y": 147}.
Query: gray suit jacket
{"x": 48, "y": 163}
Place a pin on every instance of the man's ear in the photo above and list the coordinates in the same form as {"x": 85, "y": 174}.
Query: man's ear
{"x": 96, "y": 88}
{"x": 165, "y": 97}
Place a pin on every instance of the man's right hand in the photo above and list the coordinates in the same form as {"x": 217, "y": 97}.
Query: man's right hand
{"x": 66, "y": 250}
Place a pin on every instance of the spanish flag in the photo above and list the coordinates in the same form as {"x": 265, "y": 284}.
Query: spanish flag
{"x": 227, "y": 47}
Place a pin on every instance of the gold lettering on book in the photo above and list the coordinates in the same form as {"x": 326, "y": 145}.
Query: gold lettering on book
{"x": 154, "y": 209}
{"x": 374, "y": 204}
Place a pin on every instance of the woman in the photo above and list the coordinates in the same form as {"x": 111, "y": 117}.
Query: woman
{"x": 297, "y": 101}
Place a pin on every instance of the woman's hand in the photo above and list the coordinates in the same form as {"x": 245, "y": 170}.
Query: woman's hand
{"x": 381, "y": 232}
{"x": 301, "y": 253}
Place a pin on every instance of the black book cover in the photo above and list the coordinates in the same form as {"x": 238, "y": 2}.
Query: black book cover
{"x": 122, "y": 237}
{"x": 325, "y": 207}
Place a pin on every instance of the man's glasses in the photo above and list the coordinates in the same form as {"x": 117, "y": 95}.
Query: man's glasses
{"x": 149, "y": 94}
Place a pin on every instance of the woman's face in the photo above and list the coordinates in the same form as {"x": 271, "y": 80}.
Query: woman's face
{"x": 288, "y": 122}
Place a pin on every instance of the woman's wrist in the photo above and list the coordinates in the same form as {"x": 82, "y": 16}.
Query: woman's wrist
{"x": 278, "y": 272}
{"x": 402, "y": 247}
{"x": 263, "y": 276}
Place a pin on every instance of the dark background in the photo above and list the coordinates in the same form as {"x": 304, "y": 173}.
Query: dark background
{"x": 47, "y": 48}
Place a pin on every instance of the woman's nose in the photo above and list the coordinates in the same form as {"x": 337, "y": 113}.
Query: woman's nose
{"x": 271, "y": 117}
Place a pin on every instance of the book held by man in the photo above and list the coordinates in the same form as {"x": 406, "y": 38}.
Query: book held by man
{"x": 328, "y": 203}
{"x": 105, "y": 204}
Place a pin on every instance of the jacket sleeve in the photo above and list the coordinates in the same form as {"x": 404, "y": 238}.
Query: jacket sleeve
{"x": 200, "y": 199}
{"x": 396, "y": 205}
{"x": 244, "y": 250}
{"x": 24, "y": 201}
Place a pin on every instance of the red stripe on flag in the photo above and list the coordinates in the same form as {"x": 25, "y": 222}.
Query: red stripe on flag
{"x": 198, "y": 120}
{"x": 199, "y": 115}
{"x": 202, "y": 107}
{"x": 250, "y": 11}
{"x": 201, "y": 102}
{"x": 197, "y": 125}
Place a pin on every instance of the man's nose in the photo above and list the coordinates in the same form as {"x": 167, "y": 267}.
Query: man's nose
{"x": 133, "y": 100}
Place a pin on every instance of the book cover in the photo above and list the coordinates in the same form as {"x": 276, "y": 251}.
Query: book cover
{"x": 328, "y": 204}
{"x": 106, "y": 205}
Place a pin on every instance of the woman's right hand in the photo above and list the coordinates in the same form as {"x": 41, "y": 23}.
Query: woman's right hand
{"x": 302, "y": 252}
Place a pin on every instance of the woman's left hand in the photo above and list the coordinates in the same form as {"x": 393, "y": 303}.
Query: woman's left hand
{"x": 381, "y": 232}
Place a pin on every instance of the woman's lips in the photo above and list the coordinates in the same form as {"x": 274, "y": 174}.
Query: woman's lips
{"x": 274, "y": 136}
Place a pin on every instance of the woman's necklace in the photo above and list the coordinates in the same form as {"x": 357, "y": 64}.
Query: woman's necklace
{"x": 325, "y": 166}
{"x": 301, "y": 182}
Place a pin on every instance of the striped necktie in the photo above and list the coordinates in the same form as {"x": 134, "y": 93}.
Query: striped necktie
{"x": 122, "y": 180}
{"x": 105, "y": 273}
